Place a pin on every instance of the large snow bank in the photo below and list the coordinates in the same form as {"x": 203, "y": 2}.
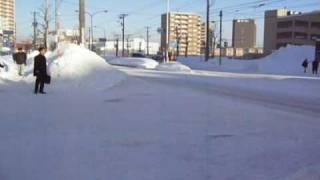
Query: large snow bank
{"x": 285, "y": 61}
{"x": 173, "y": 66}
{"x": 144, "y": 63}
{"x": 74, "y": 64}
{"x": 69, "y": 65}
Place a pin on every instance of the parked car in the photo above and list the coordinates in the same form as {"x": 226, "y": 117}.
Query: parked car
{"x": 138, "y": 55}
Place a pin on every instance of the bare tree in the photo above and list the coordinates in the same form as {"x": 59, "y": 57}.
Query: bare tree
{"x": 45, "y": 16}
{"x": 215, "y": 35}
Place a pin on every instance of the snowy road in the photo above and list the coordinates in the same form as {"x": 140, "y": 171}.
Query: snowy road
{"x": 164, "y": 126}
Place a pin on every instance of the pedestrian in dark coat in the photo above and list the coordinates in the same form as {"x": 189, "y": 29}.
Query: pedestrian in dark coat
{"x": 315, "y": 66}
{"x": 20, "y": 58}
{"x": 305, "y": 65}
{"x": 40, "y": 70}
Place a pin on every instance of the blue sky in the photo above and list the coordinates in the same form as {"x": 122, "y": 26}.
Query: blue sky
{"x": 144, "y": 13}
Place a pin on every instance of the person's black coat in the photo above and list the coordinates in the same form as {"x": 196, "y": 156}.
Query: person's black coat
{"x": 40, "y": 66}
{"x": 315, "y": 65}
{"x": 305, "y": 63}
{"x": 20, "y": 58}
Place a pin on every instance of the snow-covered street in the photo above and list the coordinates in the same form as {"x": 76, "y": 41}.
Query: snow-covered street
{"x": 164, "y": 125}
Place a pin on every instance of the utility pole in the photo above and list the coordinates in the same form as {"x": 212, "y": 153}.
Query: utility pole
{"x": 46, "y": 22}
{"x": 82, "y": 22}
{"x": 57, "y": 20}
{"x": 208, "y": 31}
{"x": 220, "y": 54}
{"x": 117, "y": 46}
{"x": 148, "y": 40}
{"x": 122, "y": 17}
{"x": 57, "y": 15}
{"x": 35, "y": 27}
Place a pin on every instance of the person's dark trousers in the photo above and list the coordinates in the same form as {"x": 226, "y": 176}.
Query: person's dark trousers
{"x": 39, "y": 82}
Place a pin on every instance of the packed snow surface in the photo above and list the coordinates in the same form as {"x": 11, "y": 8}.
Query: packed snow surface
{"x": 285, "y": 61}
{"x": 156, "y": 125}
{"x": 144, "y": 63}
{"x": 173, "y": 66}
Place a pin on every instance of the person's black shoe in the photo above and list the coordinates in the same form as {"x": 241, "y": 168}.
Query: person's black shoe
{"x": 43, "y": 92}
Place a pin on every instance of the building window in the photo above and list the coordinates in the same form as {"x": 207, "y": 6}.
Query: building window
{"x": 284, "y": 35}
{"x": 299, "y": 23}
{"x": 299, "y": 35}
{"x": 285, "y": 24}
{"x": 315, "y": 25}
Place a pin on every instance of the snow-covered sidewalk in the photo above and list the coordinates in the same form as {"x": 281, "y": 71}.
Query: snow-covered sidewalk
{"x": 161, "y": 125}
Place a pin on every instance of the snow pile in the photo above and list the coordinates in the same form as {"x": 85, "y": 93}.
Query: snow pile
{"x": 144, "y": 63}
{"x": 309, "y": 173}
{"x": 74, "y": 64}
{"x": 173, "y": 66}
{"x": 285, "y": 61}
{"x": 69, "y": 65}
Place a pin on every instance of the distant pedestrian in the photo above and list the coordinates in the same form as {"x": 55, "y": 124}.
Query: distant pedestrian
{"x": 20, "y": 58}
{"x": 40, "y": 70}
{"x": 315, "y": 66}
{"x": 305, "y": 65}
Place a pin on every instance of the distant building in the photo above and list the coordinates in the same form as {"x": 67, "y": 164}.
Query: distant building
{"x": 69, "y": 35}
{"x": 240, "y": 53}
{"x": 7, "y": 18}
{"x": 135, "y": 45}
{"x": 184, "y": 29}
{"x": 203, "y": 38}
{"x": 244, "y": 33}
{"x": 284, "y": 27}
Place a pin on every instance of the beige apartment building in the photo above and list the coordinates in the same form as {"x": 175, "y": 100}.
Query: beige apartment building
{"x": 184, "y": 28}
{"x": 244, "y": 33}
{"x": 284, "y": 27}
{"x": 7, "y": 15}
{"x": 7, "y": 23}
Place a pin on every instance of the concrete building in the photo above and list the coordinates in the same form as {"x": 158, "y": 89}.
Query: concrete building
{"x": 136, "y": 45}
{"x": 284, "y": 27}
{"x": 185, "y": 30}
{"x": 7, "y": 18}
{"x": 204, "y": 38}
{"x": 244, "y": 33}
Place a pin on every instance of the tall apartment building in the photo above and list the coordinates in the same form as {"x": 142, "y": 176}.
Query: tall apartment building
{"x": 244, "y": 33}
{"x": 7, "y": 18}
{"x": 184, "y": 28}
{"x": 284, "y": 27}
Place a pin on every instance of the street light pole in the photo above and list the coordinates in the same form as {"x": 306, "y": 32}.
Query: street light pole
{"x": 91, "y": 19}
{"x": 91, "y": 39}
